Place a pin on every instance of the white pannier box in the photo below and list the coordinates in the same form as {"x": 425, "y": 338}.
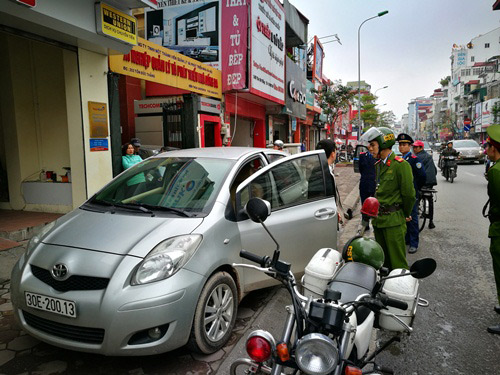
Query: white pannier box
{"x": 403, "y": 288}
{"x": 319, "y": 271}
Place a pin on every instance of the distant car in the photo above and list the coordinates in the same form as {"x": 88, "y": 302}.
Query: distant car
{"x": 146, "y": 264}
{"x": 395, "y": 149}
{"x": 436, "y": 146}
{"x": 427, "y": 148}
{"x": 469, "y": 151}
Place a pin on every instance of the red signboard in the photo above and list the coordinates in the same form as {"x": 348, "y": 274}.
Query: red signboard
{"x": 28, "y": 3}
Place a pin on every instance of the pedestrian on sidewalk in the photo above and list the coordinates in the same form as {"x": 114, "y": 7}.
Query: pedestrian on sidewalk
{"x": 493, "y": 150}
{"x": 412, "y": 233}
{"x": 396, "y": 195}
{"x": 330, "y": 149}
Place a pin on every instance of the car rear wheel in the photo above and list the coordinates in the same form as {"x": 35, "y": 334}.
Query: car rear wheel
{"x": 215, "y": 314}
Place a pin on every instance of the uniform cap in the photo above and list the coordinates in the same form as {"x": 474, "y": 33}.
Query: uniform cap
{"x": 136, "y": 142}
{"x": 493, "y": 132}
{"x": 418, "y": 144}
{"x": 403, "y": 137}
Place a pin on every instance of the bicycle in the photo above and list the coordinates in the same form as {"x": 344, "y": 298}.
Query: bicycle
{"x": 426, "y": 207}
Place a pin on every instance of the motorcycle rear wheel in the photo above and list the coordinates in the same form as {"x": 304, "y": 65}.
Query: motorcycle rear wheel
{"x": 422, "y": 209}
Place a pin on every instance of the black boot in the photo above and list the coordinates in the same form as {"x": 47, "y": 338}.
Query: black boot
{"x": 494, "y": 329}
{"x": 497, "y": 309}
{"x": 431, "y": 225}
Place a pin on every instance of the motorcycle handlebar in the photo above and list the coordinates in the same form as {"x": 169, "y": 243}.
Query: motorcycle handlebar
{"x": 392, "y": 302}
{"x": 262, "y": 261}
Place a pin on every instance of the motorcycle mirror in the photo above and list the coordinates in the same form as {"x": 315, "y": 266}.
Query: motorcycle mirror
{"x": 370, "y": 207}
{"x": 258, "y": 209}
{"x": 423, "y": 268}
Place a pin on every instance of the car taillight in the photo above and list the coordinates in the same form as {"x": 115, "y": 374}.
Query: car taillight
{"x": 260, "y": 346}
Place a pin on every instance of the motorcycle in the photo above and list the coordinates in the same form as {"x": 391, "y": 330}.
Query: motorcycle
{"x": 328, "y": 329}
{"x": 449, "y": 167}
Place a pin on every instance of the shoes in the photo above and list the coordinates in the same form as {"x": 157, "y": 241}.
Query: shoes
{"x": 412, "y": 250}
{"x": 494, "y": 329}
{"x": 431, "y": 225}
{"x": 497, "y": 309}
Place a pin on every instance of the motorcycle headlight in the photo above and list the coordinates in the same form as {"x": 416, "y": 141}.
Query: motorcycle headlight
{"x": 166, "y": 259}
{"x": 35, "y": 240}
{"x": 316, "y": 354}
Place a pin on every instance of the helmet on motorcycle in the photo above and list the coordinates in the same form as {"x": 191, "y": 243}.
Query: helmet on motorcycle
{"x": 383, "y": 136}
{"x": 418, "y": 144}
{"x": 364, "y": 250}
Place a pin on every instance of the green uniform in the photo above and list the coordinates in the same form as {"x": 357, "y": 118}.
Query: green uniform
{"x": 494, "y": 215}
{"x": 396, "y": 195}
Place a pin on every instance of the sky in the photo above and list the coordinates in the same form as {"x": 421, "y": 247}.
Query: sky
{"x": 407, "y": 50}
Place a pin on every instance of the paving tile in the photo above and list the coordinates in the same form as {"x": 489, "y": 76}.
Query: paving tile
{"x": 6, "y": 244}
{"x": 51, "y": 368}
{"x": 245, "y": 313}
{"x": 6, "y": 306}
{"x": 8, "y": 335}
{"x": 22, "y": 343}
{"x": 11, "y": 220}
{"x": 6, "y": 356}
{"x": 209, "y": 357}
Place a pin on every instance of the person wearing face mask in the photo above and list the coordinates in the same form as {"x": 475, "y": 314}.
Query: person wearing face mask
{"x": 395, "y": 193}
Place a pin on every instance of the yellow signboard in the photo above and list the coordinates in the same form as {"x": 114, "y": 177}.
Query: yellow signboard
{"x": 154, "y": 63}
{"x": 115, "y": 24}
{"x": 98, "y": 120}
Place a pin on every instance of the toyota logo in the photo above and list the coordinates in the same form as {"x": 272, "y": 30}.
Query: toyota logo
{"x": 59, "y": 271}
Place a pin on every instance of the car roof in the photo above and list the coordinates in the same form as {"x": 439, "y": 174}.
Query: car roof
{"x": 233, "y": 153}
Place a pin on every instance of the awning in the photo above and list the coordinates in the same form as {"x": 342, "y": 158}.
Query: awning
{"x": 473, "y": 81}
{"x": 296, "y": 26}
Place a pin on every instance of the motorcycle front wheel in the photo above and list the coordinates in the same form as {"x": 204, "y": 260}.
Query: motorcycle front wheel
{"x": 245, "y": 366}
{"x": 422, "y": 213}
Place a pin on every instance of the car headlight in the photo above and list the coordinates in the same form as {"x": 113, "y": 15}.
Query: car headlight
{"x": 316, "y": 354}
{"x": 35, "y": 240}
{"x": 166, "y": 259}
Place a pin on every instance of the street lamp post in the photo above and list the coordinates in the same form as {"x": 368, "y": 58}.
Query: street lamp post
{"x": 359, "y": 67}
{"x": 379, "y": 90}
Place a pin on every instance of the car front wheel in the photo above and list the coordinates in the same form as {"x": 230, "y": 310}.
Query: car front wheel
{"x": 215, "y": 314}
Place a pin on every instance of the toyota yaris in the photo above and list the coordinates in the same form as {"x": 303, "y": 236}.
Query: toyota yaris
{"x": 145, "y": 265}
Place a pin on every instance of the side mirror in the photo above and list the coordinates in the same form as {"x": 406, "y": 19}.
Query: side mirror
{"x": 423, "y": 268}
{"x": 258, "y": 209}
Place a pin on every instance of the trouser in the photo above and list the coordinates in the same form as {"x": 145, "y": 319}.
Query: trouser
{"x": 411, "y": 237}
{"x": 495, "y": 257}
{"x": 392, "y": 240}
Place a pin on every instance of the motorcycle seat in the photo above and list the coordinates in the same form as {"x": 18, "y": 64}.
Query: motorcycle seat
{"x": 354, "y": 279}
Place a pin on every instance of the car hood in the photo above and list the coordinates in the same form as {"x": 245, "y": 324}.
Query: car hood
{"x": 121, "y": 234}
{"x": 462, "y": 149}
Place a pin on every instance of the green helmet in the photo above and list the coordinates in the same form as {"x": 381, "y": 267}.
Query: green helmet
{"x": 383, "y": 136}
{"x": 364, "y": 250}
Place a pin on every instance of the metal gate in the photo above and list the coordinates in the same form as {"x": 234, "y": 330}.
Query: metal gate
{"x": 172, "y": 124}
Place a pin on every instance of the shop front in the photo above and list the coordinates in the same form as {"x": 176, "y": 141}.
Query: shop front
{"x": 55, "y": 144}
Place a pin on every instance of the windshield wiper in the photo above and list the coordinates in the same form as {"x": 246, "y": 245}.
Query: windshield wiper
{"x": 135, "y": 207}
{"x": 170, "y": 209}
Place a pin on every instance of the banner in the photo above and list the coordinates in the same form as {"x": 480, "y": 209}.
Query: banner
{"x": 153, "y": 63}
{"x": 234, "y": 44}
{"x": 318, "y": 59}
{"x": 190, "y": 28}
{"x": 267, "y": 66}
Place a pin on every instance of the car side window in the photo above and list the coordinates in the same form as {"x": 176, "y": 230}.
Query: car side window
{"x": 248, "y": 169}
{"x": 288, "y": 184}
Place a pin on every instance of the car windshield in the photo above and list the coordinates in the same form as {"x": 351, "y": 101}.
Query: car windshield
{"x": 427, "y": 146}
{"x": 465, "y": 143}
{"x": 395, "y": 149}
{"x": 187, "y": 186}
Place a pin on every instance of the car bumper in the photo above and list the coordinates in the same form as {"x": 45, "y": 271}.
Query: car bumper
{"x": 113, "y": 321}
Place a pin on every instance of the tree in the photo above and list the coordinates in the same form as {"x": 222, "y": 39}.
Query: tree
{"x": 445, "y": 81}
{"x": 333, "y": 98}
{"x": 369, "y": 114}
{"x": 387, "y": 119}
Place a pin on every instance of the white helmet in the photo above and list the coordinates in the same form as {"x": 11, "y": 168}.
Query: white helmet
{"x": 279, "y": 143}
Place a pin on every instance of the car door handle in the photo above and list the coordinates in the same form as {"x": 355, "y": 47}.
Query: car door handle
{"x": 325, "y": 213}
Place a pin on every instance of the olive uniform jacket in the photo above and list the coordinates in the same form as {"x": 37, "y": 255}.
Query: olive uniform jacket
{"x": 395, "y": 187}
{"x": 494, "y": 195}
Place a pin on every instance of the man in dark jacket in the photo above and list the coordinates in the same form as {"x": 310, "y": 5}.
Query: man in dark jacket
{"x": 419, "y": 177}
{"x": 430, "y": 172}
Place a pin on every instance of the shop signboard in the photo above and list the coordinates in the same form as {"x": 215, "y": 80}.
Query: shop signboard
{"x": 115, "y": 24}
{"x": 98, "y": 119}
{"x": 309, "y": 93}
{"x": 234, "y": 44}
{"x": 191, "y": 28}
{"x": 318, "y": 59}
{"x": 295, "y": 97}
{"x": 487, "y": 117}
{"x": 153, "y": 63}
{"x": 267, "y": 50}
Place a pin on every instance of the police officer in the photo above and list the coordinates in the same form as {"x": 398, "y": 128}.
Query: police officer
{"x": 396, "y": 195}
{"x": 367, "y": 183}
{"x": 493, "y": 151}
{"x": 405, "y": 142}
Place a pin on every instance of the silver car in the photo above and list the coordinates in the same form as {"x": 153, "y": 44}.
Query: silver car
{"x": 145, "y": 265}
{"x": 469, "y": 150}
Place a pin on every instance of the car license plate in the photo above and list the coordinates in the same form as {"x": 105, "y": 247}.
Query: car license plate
{"x": 51, "y": 304}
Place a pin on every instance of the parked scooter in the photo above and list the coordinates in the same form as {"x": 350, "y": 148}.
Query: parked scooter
{"x": 449, "y": 167}
{"x": 329, "y": 327}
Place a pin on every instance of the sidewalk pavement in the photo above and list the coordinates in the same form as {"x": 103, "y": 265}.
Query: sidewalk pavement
{"x": 15, "y": 343}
